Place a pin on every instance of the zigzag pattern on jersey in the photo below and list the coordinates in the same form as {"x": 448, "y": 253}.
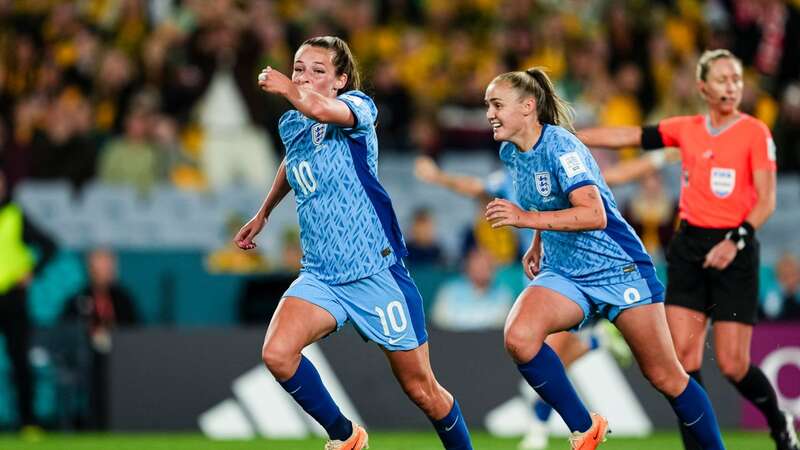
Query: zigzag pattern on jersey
{"x": 593, "y": 257}
{"x": 341, "y": 235}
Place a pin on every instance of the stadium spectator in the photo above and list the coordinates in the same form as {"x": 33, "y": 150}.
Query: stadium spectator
{"x": 133, "y": 159}
{"x": 787, "y": 290}
{"x": 18, "y": 266}
{"x": 396, "y": 107}
{"x": 422, "y": 246}
{"x": 110, "y": 51}
{"x": 652, "y": 213}
{"x": 100, "y": 308}
{"x": 66, "y": 148}
{"x": 291, "y": 251}
{"x": 233, "y": 148}
{"x": 473, "y": 300}
{"x": 787, "y": 130}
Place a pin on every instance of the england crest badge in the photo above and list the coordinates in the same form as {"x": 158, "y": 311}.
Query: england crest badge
{"x": 318, "y": 133}
{"x": 542, "y": 183}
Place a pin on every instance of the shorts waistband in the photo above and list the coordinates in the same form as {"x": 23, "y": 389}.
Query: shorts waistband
{"x": 711, "y": 233}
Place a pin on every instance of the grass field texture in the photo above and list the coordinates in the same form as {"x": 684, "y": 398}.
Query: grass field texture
{"x": 378, "y": 441}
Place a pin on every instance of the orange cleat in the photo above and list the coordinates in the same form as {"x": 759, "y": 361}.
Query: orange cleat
{"x": 357, "y": 441}
{"x": 591, "y": 438}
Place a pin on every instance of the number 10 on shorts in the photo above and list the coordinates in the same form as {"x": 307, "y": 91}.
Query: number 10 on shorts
{"x": 396, "y": 317}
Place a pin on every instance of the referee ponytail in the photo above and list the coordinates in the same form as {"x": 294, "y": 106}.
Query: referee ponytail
{"x": 534, "y": 82}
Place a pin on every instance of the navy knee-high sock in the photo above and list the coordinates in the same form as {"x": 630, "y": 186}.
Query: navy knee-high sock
{"x": 306, "y": 387}
{"x": 452, "y": 429}
{"x": 689, "y": 442}
{"x": 542, "y": 410}
{"x": 547, "y": 377}
{"x": 694, "y": 410}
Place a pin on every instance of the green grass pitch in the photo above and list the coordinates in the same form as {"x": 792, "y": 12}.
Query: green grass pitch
{"x": 378, "y": 441}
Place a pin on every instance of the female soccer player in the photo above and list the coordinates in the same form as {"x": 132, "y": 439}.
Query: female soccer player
{"x": 589, "y": 261}
{"x": 352, "y": 246}
{"x": 727, "y": 192}
{"x": 568, "y": 346}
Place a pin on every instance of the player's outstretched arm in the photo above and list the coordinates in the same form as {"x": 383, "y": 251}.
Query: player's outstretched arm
{"x": 280, "y": 187}
{"x": 611, "y": 137}
{"x": 426, "y": 170}
{"x": 310, "y": 103}
{"x": 587, "y": 213}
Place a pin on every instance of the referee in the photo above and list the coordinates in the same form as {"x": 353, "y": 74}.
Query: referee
{"x": 727, "y": 193}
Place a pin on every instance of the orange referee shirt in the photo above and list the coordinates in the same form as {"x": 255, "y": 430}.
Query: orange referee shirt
{"x": 717, "y": 189}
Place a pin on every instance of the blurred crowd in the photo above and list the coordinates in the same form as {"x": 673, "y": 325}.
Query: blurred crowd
{"x": 140, "y": 92}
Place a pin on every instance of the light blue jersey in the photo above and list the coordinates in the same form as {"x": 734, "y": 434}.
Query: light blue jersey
{"x": 543, "y": 178}
{"x": 500, "y": 185}
{"x": 348, "y": 228}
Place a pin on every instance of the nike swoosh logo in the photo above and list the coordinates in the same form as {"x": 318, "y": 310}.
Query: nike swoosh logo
{"x": 395, "y": 340}
{"x": 696, "y": 420}
{"x": 451, "y": 426}
{"x": 295, "y": 391}
{"x": 540, "y": 385}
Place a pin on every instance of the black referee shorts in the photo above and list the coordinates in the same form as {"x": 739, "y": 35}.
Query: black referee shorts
{"x": 728, "y": 295}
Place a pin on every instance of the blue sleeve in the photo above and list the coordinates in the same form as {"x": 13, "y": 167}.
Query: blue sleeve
{"x": 364, "y": 111}
{"x": 574, "y": 166}
{"x": 287, "y": 123}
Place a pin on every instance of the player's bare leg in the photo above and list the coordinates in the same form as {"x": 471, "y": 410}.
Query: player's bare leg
{"x": 295, "y": 325}
{"x": 538, "y": 313}
{"x": 413, "y": 371}
{"x": 412, "y": 368}
{"x": 568, "y": 346}
{"x": 645, "y": 329}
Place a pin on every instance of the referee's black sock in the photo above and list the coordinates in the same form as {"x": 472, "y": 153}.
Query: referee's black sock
{"x": 689, "y": 442}
{"x": 756, "y": 388}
